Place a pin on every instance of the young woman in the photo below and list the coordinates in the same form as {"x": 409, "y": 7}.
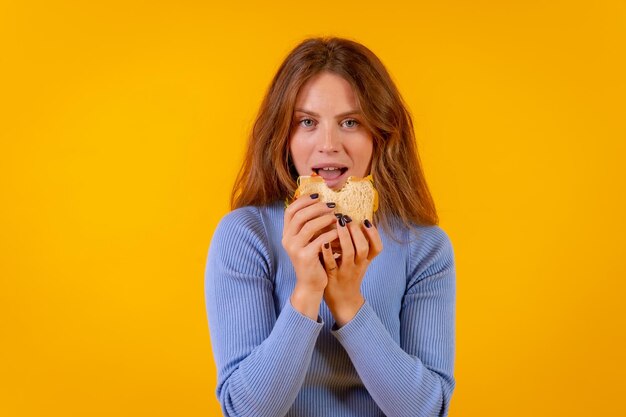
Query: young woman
{"x": 295, "y": 332}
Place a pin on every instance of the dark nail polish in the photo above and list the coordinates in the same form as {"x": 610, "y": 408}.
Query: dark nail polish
{"x": 331, "y": 205}
{"x": 347, "y": 218}
{"x": 315, "y": 195}
{"x": 338, "y": 215}
{"x": 342, "y": 221}
{"x": 327, "y": 245}
{"x": 367, "y": 223}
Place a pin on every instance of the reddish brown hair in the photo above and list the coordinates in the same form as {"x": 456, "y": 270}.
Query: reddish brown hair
{"x": 267, "y": 173}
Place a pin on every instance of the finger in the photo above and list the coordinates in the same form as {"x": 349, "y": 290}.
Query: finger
{"x": 313, "y": 227}
{"x": 373, "y": 237}
{"x": 329, "y": 260}
{"x": 299, "y": 203}
{"x": 308, "y": 212}
{"x": 360, "y": 242}
{"x": 317, "y": 243}
{"x": 347, "y": 249}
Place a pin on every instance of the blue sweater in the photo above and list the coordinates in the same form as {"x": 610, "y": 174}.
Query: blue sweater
{"x": 394, "y": 358}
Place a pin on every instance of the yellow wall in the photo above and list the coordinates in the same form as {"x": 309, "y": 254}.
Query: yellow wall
{"x": 122, "y": 125}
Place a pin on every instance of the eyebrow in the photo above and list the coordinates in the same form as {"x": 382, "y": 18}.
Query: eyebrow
{"x": 338, "y": 116}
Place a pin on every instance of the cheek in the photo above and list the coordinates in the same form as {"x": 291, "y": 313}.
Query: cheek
{"x": 298, "y": 153}
{"x": 364, "y": 154}
{"x": 367, "y": 155}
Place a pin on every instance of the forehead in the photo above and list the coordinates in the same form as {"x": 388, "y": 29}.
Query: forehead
{"x": 326, "y": 90}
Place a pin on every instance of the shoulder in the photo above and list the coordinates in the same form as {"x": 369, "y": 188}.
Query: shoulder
{"x": 253, "y": 221}
{"x": 242, "y": 220}
{"x": 241, "y": 237}
{"x": 429, "y": 237}
{"x": 245, "y": 224}
{"x": 430, "y": 251}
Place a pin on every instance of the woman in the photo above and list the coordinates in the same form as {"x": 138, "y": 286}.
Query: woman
{"x": 295, "y": 332}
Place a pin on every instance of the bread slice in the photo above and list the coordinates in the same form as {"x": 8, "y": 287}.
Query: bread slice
{"x": 357, "y": 198}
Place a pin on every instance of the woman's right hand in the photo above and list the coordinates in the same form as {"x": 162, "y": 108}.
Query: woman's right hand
{"x": 303, "y": 237}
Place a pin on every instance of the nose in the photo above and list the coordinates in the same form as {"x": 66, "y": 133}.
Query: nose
{"x": 330, "y": 140}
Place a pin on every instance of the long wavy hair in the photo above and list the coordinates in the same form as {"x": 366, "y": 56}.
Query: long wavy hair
{"x": 268, "y": 174}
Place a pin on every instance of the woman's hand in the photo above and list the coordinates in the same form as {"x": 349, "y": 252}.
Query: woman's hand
{"x": 359, "y": 245}
{"x": 303, "y": 236}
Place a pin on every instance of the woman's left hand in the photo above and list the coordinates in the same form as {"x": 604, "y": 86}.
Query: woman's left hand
{"x": 359, "y": 245}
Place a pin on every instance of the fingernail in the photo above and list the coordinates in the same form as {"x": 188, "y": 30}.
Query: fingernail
{"x": 342, "y": 221}
{"x": 338, "y": 215}
{"x": 367, "y": 223}
{"x": 347, "y": 218}
{"x": 326, "y": 245}
{"x": 331, "y": 205}
{"x": 315, "y": 195}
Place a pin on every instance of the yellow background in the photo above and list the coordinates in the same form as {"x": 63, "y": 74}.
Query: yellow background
{"x": 122, "y": 126}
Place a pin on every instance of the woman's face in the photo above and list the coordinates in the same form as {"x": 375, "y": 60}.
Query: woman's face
{"x": 327, "y": 136}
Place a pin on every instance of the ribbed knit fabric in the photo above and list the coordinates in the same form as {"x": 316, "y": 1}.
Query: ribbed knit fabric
{"x": 394, "y": 358}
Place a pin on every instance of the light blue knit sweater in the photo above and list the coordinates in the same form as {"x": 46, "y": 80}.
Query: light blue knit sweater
{"x": 394, "y": 358}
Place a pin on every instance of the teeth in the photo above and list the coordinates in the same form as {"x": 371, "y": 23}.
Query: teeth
{"x": 330, "y": 169}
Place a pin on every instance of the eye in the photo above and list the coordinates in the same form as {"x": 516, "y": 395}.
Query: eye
{"x": 350, "y": 123}
{"x": 307, "y": 122}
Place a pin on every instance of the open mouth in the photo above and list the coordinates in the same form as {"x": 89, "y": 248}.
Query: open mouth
{"x": 333, "y": 176}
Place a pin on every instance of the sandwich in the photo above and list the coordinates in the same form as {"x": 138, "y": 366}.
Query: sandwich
{"x": 357, "y": 199}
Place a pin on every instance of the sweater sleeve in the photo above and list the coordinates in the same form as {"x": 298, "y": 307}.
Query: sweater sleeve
{"x": 262, "y": 357}
{"x": 415, "y": 377}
